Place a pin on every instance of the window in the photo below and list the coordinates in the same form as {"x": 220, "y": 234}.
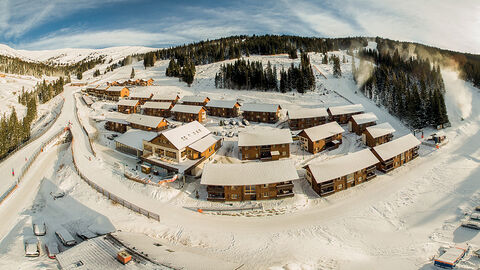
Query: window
{"x": 284, "y": 153}
{"x": 234, "y": 196}
{"x": 402, "y": 156}
{"x": 340, "y": 186}
{"x": 265, "y": 194}
{"x": 233, "y": 188}
{"x": 265, "y": 186}
{"x": 350, "y": 177}
{"x": 360, "y": 178}
{"x": 249, "y": 189}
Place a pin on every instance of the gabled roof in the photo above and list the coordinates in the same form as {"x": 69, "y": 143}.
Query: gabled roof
{"x": 228, "y": 104}
{"x": 157, "y": 105}
{"x": 346, "y": 109}
{"x": 186, "y": 108}
{"x": 307, "y": 113}
{"x": 140, "y": 95}
{"x": 249, "y": 173}
{"x": 165, "y": 96}
{"x": 394, "y": 148}
{"x": 134, "y": 138}
{"x": 259, "y": 107}
{"x": 323, "y": 131}
{"x": 341, "y": 166}
{"x": 364, "y": 118}
{"x": 117, "y": 117}
{"x": 264, "y": 137}
{"x": 380, "y": 130}
{"x": 116, "y": 88}
{"x": 145, "y": 120}
{"x": 88, "y": 100}
{"x": 204, "y": 143}
{"x": 194, "y": 98}
{"x": 185, "y": 135}
{"x": 127, "y": 102}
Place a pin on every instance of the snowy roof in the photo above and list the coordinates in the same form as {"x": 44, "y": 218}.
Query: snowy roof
{"x": 88, "y": 100}
{"x": 115, "y": 88}
{"x": 134, "y": 138}
{"x": 127, "y": 102}
{"x": 264, "y": 137}
{"x": 364, "y": 118}
{"x": 159, "y": 96}
{"x": 380, "y": 130}
{"x": 140, "y": 95}
{"x": 204, "y": 143}
{"x": 307, "y": 113}
{"x": 96, "y": 253}
{"x": 396, "y": 147}
{"x": 187, "y": 134}
{"x": 249, "y": 173}
{"x": 145, "y": 120}
{"x": 117, "y": 117}
{"x": 341, "y": 166}
{"x": 346, "y": 109}
{"x": 258, "y": 107}
{"x": 452, "y": 255}
{"x": 194, "y": 99}
{"x": 186, "y": 108}
{"x": 157, "y": 105}
{"x": 221, "y": 104}
{"x": 323, "y": 131}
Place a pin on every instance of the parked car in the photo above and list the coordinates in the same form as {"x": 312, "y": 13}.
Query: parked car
{"x": 245, "y": 122}
{"x": 477, "y": 208}
{"x": 32, "y": 248}
{"x": 472, "y": 224}
{"x": 65, "y": 237}
{"x": 52, "y": 249}
{"x": 57, "y": 195}
{"x": 475, "y": 216}
{"x": 230, "y": 134}
{"x": 110, "y": 137}
{"x": 39, "y": 228}
{"x": 86, "y": 234}
{"x": 226, "y": 122}
{"x": 114, "y": 135}
{"x": 233, "y": 122}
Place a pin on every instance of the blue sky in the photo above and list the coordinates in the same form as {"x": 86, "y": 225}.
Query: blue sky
{"x": 52, "y": 24}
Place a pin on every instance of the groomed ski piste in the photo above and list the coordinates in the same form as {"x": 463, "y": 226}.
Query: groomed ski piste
{"x": 398, "y": 220}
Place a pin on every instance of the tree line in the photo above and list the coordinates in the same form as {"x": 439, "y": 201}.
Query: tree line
{"x": 15, "y": 131}
{"x": 185, "y": 73}
{"x": 411, "y": 89}
{"x": 245, "y": 75}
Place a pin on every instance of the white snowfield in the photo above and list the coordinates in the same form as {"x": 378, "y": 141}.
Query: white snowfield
{"x": 398, "y": 220}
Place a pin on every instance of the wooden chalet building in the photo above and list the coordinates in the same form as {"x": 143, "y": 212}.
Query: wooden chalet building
{"x": 378, "y": 134}
{"x": 172, "y": 98}
{"x": 341, "y": 114}
{"x": 131, "y": 142}
{"x": 270, "y": 144}
{"x": 359, "y": 122}
{"x": 189, "y": 113}
{"x": 195, "y": 100}
{"x": 88, "y": 100}
{"x": 223, "y": 108}
{"x": 147, "y": 122}
{"x": 306, "y": 118}
{"x": 117, "y": 122}
{"x": 128, "y": 106}
{"x": 266, "y": 113}
{"x": 137, "y": 82}
{"x": 324, "y": 137}
{"x": 161, "y": 109}
{"x": 249, "y": 181}
{"x": 116, "y": 92}
{"x": 142, "y": 97}
{"x": 97, "y": 91}
{"x": 336, "y": 174}
{"x": 191, "y": 141}
{"x": 395, "y": 153}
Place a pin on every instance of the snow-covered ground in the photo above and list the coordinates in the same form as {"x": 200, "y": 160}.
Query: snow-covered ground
{"x": 398, "y": 220}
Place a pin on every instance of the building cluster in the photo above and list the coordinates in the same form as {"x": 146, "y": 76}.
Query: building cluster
{"x": 141, "y": 117}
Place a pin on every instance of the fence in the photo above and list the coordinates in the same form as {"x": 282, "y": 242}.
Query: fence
{"x": 29, "y": 163}
{"x": 111, "y": 196}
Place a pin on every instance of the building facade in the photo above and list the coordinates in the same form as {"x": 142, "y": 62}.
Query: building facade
{"x": 306, "y": 118}
{"x": 223, "y": 108}
{"x": 266, "y": 144}
{"x": 395, "y": 153}
{"x": 341, "y": 114}
{"x": 324, "y": 137}
{"x": 266, "y": 113}
{"x": 160, "y": 109}
{"x": 359, "y": 122}
{"x": 377, "y": 134}
{"x": 189, "y": 113}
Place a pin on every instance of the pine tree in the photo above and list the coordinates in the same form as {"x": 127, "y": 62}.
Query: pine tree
{"x": 132, "y": 74}
{"x": 337, "y": 72}
{"x": 325, "y": 59}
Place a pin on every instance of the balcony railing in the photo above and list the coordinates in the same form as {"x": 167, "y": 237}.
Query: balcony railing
{"x": 285, "y": 185}
{"x": 370, "y": 176}
{"x": 285, "y": 195}
{"x": 388, "y": 162}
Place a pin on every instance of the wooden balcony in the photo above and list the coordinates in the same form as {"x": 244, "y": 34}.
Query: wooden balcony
{"x": 215, "y": 198}
{"x": 387, "y": 162}
{"x": 285, "y": 185}
{"x": 285, "y": 195}
{"x": 386, "y": 169}
{"x": 370, "y": 176}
